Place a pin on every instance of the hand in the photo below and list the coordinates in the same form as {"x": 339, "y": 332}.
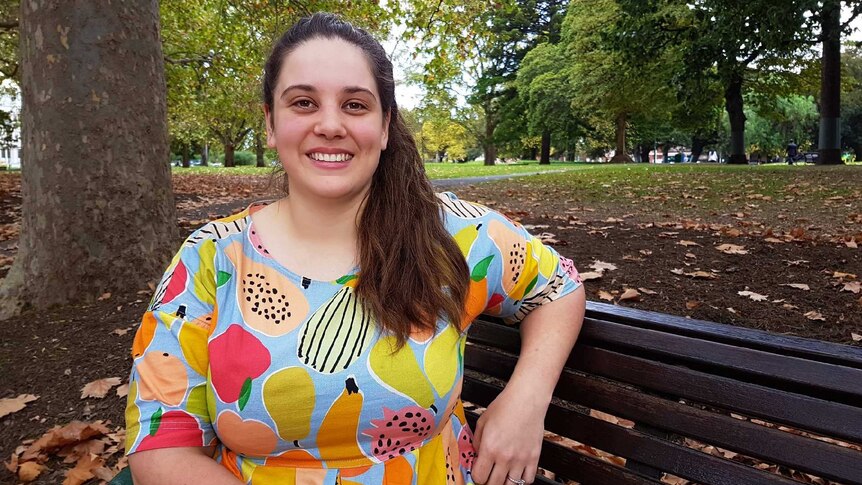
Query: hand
{"x": 508, "y": 438}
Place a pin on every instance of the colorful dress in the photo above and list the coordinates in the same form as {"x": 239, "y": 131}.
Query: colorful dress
{"x": 291, "y": 378}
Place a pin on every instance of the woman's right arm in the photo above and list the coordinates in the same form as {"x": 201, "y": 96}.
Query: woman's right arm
{"x": 179, "y": 466}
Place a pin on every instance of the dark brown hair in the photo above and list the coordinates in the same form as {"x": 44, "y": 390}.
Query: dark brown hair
{"x": 411, "y": 270}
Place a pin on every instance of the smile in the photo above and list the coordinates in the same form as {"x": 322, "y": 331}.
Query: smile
{"x": 330, "y": 157}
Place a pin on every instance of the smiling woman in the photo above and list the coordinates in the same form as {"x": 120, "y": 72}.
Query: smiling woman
{"x": 319, "y": 338}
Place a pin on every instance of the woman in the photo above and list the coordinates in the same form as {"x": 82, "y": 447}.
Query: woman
{"x": 267, "y": 356}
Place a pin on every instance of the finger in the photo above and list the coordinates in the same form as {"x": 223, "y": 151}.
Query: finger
{"x": 530, "y": 473}
{"x": 481, "y": 468}
{"x": 477, "y": 433}
{"x": 499, "y": 474}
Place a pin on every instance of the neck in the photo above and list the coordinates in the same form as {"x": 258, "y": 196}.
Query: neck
{"x": 322, "y": 222}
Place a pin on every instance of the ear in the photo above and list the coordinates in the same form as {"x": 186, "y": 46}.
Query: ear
{"x": 384, "y": 138}
{"x": 270, "y": 127}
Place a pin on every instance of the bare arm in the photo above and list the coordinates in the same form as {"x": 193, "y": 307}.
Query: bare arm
{"x": 179, "y": 466}
{"x": 509, "y": 433}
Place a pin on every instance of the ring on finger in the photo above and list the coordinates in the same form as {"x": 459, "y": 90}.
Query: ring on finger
{"x": 518, "y": 481}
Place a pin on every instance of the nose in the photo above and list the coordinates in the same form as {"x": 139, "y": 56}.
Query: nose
{"x": 330, "y": 124}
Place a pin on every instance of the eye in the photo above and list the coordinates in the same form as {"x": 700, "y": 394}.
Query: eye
{"x": 303, "y": 104}
{"x": 355, "y": 106}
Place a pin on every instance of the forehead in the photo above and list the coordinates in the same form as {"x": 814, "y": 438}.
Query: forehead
{"x": 327, "y": 64}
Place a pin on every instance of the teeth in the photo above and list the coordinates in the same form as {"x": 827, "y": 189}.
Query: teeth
{"x": 331, "y": 157}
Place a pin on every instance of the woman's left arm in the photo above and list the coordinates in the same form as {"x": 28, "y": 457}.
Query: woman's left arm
{"x": 509, "y": 433}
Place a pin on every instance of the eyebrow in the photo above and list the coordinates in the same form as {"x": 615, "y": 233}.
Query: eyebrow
{"x": 309, "y": 88}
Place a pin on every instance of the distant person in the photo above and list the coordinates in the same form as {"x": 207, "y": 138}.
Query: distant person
{"x": 792, "y": 152}
{"x": 713, "y": 156}
{"x": 285, "y": 341}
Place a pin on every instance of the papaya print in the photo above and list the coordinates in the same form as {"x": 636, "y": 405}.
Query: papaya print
{"x": 294, "y": 381}
{"x": 270, "y": 302}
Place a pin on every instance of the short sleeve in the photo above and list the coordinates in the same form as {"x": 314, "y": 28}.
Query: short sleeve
{"x": 167, "y": 401}
{"x": 510, "y": 267}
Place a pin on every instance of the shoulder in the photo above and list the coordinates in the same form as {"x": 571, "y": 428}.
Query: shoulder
{"x": 461, "y": 209}
{"x": 223, "y": 228}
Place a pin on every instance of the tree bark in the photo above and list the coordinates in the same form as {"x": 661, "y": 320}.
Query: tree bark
{"x": 205, "y": 155}
{"x": 644, "y": 150}
{"x": 830, "y": 85}
{"x": 258, "y": 150}
{"x": 620, "y": 155}
{"x": 697, "y": 145}
{"x": 546, "y": 148}
{"x": 98, "y": 212}
{"x": 185, "y": 155}
{"x": 488, "y": 141}
{"x": 229, "y": 150}
{"x": 734, "y": 105}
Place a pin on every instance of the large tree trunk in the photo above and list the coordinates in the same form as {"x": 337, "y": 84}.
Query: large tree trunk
{"x": 830, "y": 85}
{"x": 488, "y": 141}
{"x": 733, "y": 105}
{"x": 205, "y": 155}
{"x": 98, "y": 211}
{"x": 258, "y": 149}
{"x": 644, "y": 151}
{"x": 546, "y": 148}
{"x": 620, "y": 155}
{"x": 229, "y": 149}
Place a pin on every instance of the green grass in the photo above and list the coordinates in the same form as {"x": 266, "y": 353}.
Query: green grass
{"x": 434, "y": 170}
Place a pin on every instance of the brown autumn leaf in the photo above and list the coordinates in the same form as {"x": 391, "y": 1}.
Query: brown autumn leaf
{"x": 773, "y": 240}
{"x": 604, "y": 295}
{"x": 691, "y": 305}
{"x": 104, "y": 296}
{"x": 754, "y": 296}
{"x": 853, "y": 287}
{"x": 99, "y": 388}
{"x": 678, "y": 271}
{"x": 630, "y": 294}
{"x": 121, "y": 331}
{"x": 123, "y": 390}
{"x": 789, "y": 306}
{"x": 83, "y": 470}
{"x": 704, "y": 275}
{"x": 690, "y": 255}
{"x": 602, "y": 266}
{"x": 28, "y": 471}
{"x": 851, "y": 244}
{"x": 813, "y": 315}
{"x": 647, "y": 291}
{"x": 60, "y": 436}
{"x": 590, "y": 275}
{"x": 856, "y": 337}
{"x": 688, "y": 243}
{"x": 798, "y": 286}
{"x": 12, "y": 464}
{"x": 843, "y": 276}
{"x": 731, "y": 249}
{"x": 645, "y": 252}
{"x": 15, "y": 404}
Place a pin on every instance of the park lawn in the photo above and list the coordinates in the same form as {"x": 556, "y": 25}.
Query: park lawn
{"x": 434, "y": 170}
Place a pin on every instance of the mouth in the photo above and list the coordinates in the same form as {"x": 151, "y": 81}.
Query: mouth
{"x": 330, "y": 157}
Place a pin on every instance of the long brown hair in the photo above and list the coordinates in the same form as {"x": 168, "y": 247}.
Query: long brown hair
{"x": 412, "y": 272}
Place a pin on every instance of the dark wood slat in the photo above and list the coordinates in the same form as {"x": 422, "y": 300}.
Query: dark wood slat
{"x": 571, "y": 465}
{"x": 771, "y": 445}
{"x": 841, "y": 383}
{"x": 742, "y": 337}
{"x": 634, "y": 445}
{"x": 798, "y": 411}
{"x": 809, "y": 413}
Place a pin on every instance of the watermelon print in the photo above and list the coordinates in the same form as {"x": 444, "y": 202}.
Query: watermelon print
{"x": 291, "y": 378}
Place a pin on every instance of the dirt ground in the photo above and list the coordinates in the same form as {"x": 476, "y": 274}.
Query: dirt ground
{"x": 670, "y": 259}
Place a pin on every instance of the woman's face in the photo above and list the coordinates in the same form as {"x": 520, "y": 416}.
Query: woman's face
{"x": 326, "y": 122}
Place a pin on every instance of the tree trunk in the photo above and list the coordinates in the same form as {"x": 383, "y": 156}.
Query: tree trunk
{"x": 620, "y": 155}
{"x": 665, "y": 148}
{"x": 229, "y": 149}
{"x": 205, "y": 155}
{"x": 258, "y": 150}
{"x": 488, "y": 141}
{"x": 546, "y": 148}
{"x": 645, "y": 149}
{"x": 185, "y": 155}
{"x": 734, "y": 106}
{"x": 697, "y": 145}
{"x": 857, "y": 149}
{"x": 830, "y": 85}
{"x": 98, "y": 212}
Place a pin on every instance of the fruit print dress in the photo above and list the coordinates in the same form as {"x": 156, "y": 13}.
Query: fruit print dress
{"x": 290, "y": 378}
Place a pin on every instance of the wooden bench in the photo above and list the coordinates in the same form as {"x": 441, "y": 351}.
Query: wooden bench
{"x": 683, "y": 382}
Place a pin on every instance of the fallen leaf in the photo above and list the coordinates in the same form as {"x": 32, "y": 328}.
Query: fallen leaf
{"x": 690, "y": 255}
{"x": 701, "y": 275}
{"x": 853, "y": 287}
{"x": 602, "y": 266}
{"x": 789, "y": 306}
{"x": 104, "y": 296}
{"x": 691, "y": 305}
{"x": 731, "y": 310}
{"x": 83, "y": 470}
{"x": 591, "y": 275}
{"x": 752, "y": 295}
{"x": 840, "y": 275}
{"x": 798, "y": 286}
{"x": 99, "y": 388}
{"x": 647, "y": 291}
{"x": 679, "y": 271}
{"x": 123, "y": 390}
{"x": 774, "y": 240}
{"x": 645, "y": 252}
{"x": 856, "y": 337}
{"x": 15, "y": 404}
{"x": 630, "y": 294}
{"x": 687, "y": 243}
{"x": 851, "y": 244}
{"x": 732, "y": 249}
{"x": 121, "y": 331}
{"x": 604, "y": 295}
{"x": 812, "y": 315}
{"x": 28, "y": 471}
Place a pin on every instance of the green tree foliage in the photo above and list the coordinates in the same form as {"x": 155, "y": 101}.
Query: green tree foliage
{"x": 851, "y": 100}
